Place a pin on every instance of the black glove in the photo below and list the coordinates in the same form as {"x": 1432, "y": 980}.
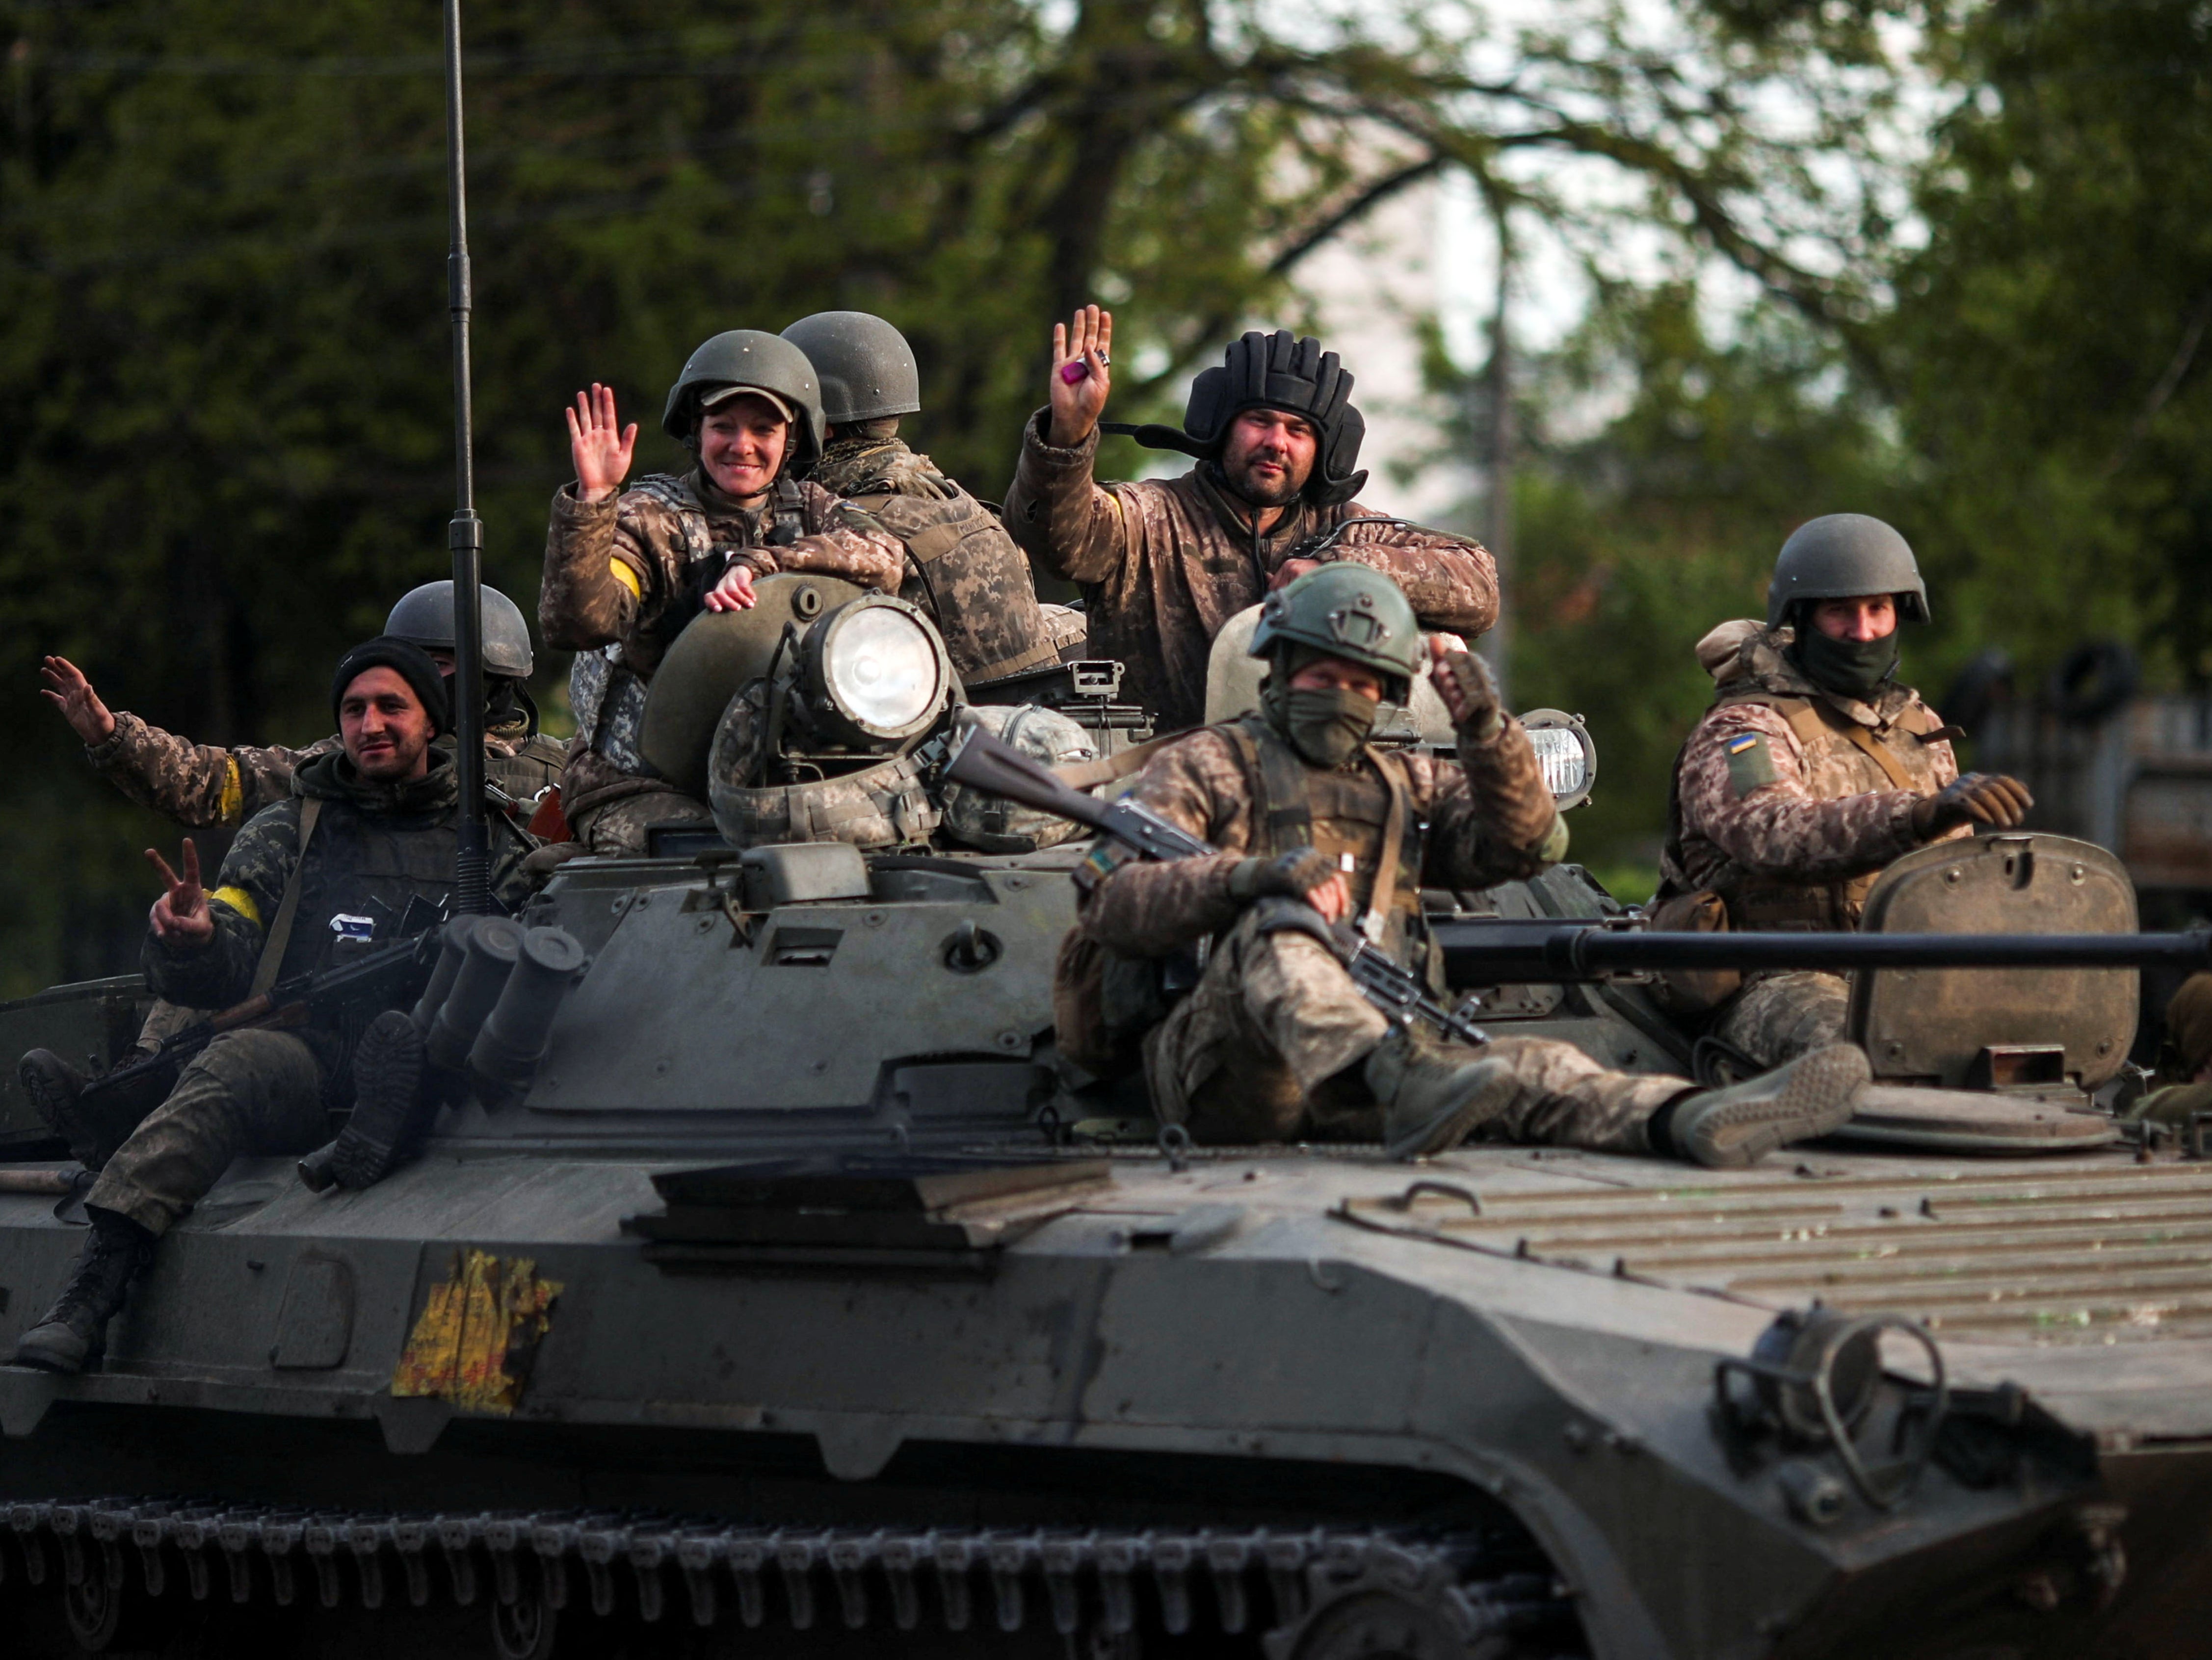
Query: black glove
{"x": 1978, "y": 798}
{"x": 1479, "y": 715}
{"x": 1293, "y": 874}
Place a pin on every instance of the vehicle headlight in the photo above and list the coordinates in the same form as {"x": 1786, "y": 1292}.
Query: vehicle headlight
{"x": 876, "y": 669}
{"x": 1565, "y": 753}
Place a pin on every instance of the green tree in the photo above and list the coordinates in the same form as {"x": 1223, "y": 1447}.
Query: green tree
{"x": 2047, "y": 351}
{"x": 222, "y": 246}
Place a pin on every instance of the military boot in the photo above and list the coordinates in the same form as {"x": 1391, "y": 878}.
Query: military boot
{"x": 118, "y": 1252}
{"x": 1433, "y": 1095}
{"x": 93, "y": 1129}
{"x": 389, "y": 1109}
{"x": 1728, "y": 1128}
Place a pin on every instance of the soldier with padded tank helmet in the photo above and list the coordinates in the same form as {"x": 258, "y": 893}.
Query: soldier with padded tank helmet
{"x": 961, "y": 566}
{"x": 1164, "y": 562}
{"x": 626, "y": 568}
{"x": 1274, "y": 1042}
{"x": 1814, "y": 768}
{"x": 205, "y": 785}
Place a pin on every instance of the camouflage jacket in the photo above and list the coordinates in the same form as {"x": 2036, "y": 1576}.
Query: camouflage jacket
{"x": 1777, "y": 807}
{"x": 375, "y": 847}
{"x": 961, "y": 568}
{"x": 625, "y": 576}
{"x": 202, "y": 786}
{"x": 1486, "y": 819}
{"x": 1164, "y": 562}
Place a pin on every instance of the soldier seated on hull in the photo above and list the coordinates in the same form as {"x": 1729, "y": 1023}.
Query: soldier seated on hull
{"x": 1275, "y": 1042}
{"x": 204, "y": 787}
{"x": 626, "y": 569}
{"x": 1813, "y": 769}
{"x": 367, "y": 829}
{"x": 1165, "y": 563}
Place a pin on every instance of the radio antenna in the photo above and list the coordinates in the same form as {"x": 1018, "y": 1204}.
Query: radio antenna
{"x": 472, "y": 856}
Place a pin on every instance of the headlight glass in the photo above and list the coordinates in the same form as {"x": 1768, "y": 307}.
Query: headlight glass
{"x": 1564, "y": 752}
{"x": 880, "y": 668}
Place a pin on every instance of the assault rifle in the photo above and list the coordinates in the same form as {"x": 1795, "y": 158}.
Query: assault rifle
{"x": 1491, "y": 952}
{"x": 389, "y": 976}
{"x": 995, "y": 767}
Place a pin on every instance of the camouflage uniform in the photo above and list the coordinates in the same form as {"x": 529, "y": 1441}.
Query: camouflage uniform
{"x": 623, "y": 577}
{"x": 375, "y": 847}
{"x": 1782, "y": 806}
{"x": 1266, "y": 1046}
{"x": 1164, "y": 562}
{"x": 202, "y": 786}
{"x": 961, "y": 566}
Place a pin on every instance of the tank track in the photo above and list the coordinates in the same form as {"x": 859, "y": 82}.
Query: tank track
{"x": 1228, "y": 1580}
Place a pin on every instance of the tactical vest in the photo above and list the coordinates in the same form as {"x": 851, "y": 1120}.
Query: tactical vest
{"x": 1339, "y": 813}
{"x": 606, "y": 694}
{"x": 1765, "y": 903}
{"x": 965, "y": 571}
{"x": 358, "y": 865}
{"x": 536, "y": 761}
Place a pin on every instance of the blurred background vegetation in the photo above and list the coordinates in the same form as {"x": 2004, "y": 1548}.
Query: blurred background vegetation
{"x": 1946, "y": 262}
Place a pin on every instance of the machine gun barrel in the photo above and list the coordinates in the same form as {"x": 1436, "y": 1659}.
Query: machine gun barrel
{"x": 1516, "y": 951}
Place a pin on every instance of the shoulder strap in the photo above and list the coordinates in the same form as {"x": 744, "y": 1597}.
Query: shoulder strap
{"x": 1810, "y": 720}
{"x": 1112, "y": 768}
{"x": 1386, "y": 861}
{"x": 1879, "y": 752}
{"x": 280, "y": 930}
{"x": 1279, "y": 785}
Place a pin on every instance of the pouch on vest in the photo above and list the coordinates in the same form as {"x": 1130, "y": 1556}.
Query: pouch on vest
{"x": 1692, "y": 991}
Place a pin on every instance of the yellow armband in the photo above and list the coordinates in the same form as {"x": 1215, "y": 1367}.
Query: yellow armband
{"x": 241, "y": 902}
{"x": 620, "y": 570}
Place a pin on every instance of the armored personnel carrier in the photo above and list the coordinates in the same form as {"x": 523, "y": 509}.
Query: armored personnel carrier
{"x": 798, "y": 1299}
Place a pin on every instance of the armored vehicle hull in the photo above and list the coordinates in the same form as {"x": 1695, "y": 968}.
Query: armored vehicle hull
{"x": 800, "y": 1310}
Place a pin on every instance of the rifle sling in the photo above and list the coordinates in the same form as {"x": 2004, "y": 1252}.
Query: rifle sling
{"x": 287, "y": 908}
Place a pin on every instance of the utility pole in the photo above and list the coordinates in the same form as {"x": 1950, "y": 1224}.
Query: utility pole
{"x": 473, "y": 854}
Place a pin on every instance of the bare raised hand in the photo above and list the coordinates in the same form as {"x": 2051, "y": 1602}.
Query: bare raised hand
{"x": 180, "y": 916}
{"x": 734, "y": 592}
{"x": 599, "y": 443}
{"x": 1085, "y": 342}
{"x": 68, "y": 690}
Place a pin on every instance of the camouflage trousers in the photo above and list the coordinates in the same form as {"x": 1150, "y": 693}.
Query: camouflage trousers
{"x": 618, "y": 828}
{"x": 1268, "y": 1046}
{"x": 247, "y": 1091}
{"x": 1778, "y": 1017}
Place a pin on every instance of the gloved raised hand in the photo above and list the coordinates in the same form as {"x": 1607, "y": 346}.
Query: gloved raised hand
{"x": 1976, "y": 798}
{"x": 1468, "y": 690}
{"x": 1306, "y": 874}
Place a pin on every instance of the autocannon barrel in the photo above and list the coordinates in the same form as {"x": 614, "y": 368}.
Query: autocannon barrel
{"x": 1513, "y": 952}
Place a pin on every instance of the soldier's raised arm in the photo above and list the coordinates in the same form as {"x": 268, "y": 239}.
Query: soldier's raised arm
{"x": 199, "y": 785}
{"x": 1055, "y": 508}
{"x": 597, "y": 570}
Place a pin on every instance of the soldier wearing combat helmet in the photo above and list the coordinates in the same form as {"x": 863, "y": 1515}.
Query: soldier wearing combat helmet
{"x": 627, "y": 568}
{"x": 1814, "y": 769}
{"x": 961, "y": 566}
{"x": 204, "y": 786}
{"x": 1275, "y": 1042}
{"x": 1164, "y": 562}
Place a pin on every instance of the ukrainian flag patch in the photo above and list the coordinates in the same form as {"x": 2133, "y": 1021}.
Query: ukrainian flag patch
{"x": 1750, "y": 762}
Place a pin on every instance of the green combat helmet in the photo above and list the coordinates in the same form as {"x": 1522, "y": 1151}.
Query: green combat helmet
{"x": 866, "y": 368}
{"x": 1839, "y": 557}
{"x": 1347, "y": 610}
{"x": 756, "y": 361}
{"x": 424, "y": 617}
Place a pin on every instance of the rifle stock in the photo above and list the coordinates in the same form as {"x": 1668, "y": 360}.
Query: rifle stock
{"x": 284, "y": 1006}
